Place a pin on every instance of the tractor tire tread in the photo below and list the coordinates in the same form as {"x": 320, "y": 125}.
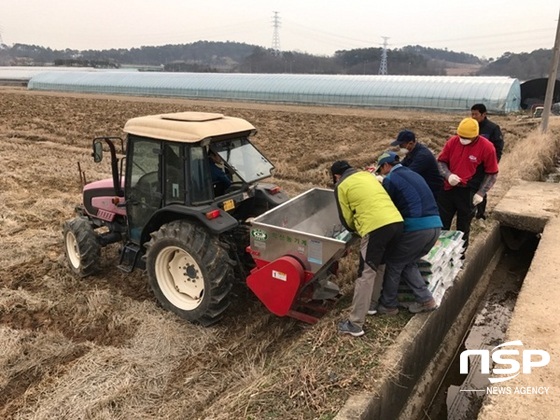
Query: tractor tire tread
{"x": 89, "y": 247}
{"x": 212, "y": 256}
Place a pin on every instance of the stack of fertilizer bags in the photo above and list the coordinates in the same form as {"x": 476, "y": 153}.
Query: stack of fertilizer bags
{"x": 439, "y": 267}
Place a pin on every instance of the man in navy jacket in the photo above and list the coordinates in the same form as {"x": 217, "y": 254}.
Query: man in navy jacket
{"x": 422, "y": 226}
{"x": 420, "y": 159}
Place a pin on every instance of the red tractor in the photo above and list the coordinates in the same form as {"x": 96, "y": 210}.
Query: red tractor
{"x": 181, "y": 203}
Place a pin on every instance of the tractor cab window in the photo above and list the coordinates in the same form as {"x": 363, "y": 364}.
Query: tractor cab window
{"x": 244, "y": 159}
{"x": 143, "y": 183}
{"x": 144, "y": 163}
{"x": 201, "y": 186}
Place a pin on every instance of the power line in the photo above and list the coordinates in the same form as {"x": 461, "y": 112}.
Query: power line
{"x": 452, "y": 43}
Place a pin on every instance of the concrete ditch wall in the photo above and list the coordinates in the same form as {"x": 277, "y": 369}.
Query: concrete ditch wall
{"x": 535, "y": 320}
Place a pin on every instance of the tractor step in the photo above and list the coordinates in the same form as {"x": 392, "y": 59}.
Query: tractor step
{"x": 129, "y": 257}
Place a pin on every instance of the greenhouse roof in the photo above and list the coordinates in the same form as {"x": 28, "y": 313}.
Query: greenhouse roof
{"x": 499, "y": 94}
{"x": 27, "y": 72}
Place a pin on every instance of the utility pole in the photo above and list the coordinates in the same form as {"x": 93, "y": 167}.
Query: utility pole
{"x": 383, "y": 64}
{"x": 551, "y": 79}
{"x": 276, "y": 34}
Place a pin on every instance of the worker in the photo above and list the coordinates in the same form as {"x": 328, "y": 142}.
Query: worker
{"x": 469, "y": 166}
{"x": 492, "y": 132}
{"x": 420, "y": 159}
{"x": 422, "y": 225}
{"x": 220, "y": 180}
{"x": 366, "y": 209}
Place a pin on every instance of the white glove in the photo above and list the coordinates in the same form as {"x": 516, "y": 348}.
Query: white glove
{"x": 453, "y": 180}
{"x": 477, "y": 199}
{"x": 379, "y": 178}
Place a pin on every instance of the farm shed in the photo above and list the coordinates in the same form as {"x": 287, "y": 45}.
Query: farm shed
{"x": 500, "y": 94}
{"x": 533, "y": 92}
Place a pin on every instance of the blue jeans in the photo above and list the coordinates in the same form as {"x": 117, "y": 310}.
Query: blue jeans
{"x": 403, "y": 265}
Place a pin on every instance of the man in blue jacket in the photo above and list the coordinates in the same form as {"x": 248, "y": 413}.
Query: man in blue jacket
{"x": 422, "y": 226}
{"x": 420, "y": 159}
{"x": 220, "y": 180}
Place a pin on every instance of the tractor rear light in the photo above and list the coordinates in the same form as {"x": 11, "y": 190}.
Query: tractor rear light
{"x": 212, "y": 214}
{"x": 274, "y": 190}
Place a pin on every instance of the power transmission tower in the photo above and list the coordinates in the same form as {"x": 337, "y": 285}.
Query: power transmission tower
{"x": 276, "y": 34}
{"x": 383, "y": 64}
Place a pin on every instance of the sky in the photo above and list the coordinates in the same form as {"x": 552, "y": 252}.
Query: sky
{"x": 486, "y": 28}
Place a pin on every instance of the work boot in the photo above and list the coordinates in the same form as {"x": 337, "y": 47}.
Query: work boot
{"x": 347, "y": 327}
{"x": 418, "y": 307}
{"x": 384, "y": 310}
{"x": 372, "y": 308}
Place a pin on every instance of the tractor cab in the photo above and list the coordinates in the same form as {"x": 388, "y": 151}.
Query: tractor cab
{"x": 191, "y": 177}
{"x": 189, "y": 165}
{"x": 180, "y": 203}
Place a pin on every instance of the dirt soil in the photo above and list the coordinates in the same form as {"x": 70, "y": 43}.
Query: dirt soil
{"x": 101, "y": 347}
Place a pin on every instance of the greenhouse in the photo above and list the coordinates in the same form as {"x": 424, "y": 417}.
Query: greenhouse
{"x": 442, "y": 93}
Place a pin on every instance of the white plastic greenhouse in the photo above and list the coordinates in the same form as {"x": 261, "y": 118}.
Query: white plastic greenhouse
{"x": 442, "y": 93}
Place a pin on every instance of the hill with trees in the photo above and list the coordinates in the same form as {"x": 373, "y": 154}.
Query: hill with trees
{"x": 206, "y": 56}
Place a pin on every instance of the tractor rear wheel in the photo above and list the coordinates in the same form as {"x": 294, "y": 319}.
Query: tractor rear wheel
{"x": 189, "y": 271}
{"x": 81, "y": 246}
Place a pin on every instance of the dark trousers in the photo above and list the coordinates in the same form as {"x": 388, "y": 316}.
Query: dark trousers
{"x": 457, "y": 201}
{"x": 403, "y": 266}
{"x": 381, "y": 245}
{"x": 481, "y": 209}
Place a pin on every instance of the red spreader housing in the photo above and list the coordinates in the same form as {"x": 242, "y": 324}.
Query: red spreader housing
{"x": 286, "y": 289}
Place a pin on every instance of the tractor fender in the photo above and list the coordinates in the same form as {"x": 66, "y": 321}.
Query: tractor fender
{"x": 222, "y": 223}
{"x": 269, "y": 195}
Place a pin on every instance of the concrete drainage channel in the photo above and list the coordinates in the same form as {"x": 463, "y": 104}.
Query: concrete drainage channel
{"x": 455, "y": 398}
{"x": 421, "y": 366}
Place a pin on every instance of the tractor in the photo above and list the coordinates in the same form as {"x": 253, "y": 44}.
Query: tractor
{"x": 172, "y": 219}
{"x": 188, "y": 204}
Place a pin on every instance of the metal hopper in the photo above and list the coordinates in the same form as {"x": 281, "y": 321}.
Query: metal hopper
{"x": 297, "y": 245}
{"x": 307, "y": 227}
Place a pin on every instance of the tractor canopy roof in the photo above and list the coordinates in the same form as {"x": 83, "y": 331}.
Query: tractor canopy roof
{"x": 186, "y": 127}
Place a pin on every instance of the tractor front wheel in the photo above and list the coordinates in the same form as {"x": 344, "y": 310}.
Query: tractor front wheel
{"x": 189, "y": 271}
{"x": 81, "y": 246}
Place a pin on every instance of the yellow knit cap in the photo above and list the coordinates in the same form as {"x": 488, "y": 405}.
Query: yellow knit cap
{"x": 468, "y": 128}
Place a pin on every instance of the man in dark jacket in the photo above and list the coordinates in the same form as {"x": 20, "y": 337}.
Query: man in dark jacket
{"x": 492, "y": 132}
{"x": 420, "y": 159}
{"x": 220, "y": 180}
{"x": 422, "y": 226}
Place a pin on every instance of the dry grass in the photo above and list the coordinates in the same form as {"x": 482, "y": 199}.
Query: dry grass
{"x": 101, "y": 348}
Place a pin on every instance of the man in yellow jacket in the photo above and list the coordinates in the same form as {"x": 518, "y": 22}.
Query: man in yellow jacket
{"x": 365, "y": 208}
